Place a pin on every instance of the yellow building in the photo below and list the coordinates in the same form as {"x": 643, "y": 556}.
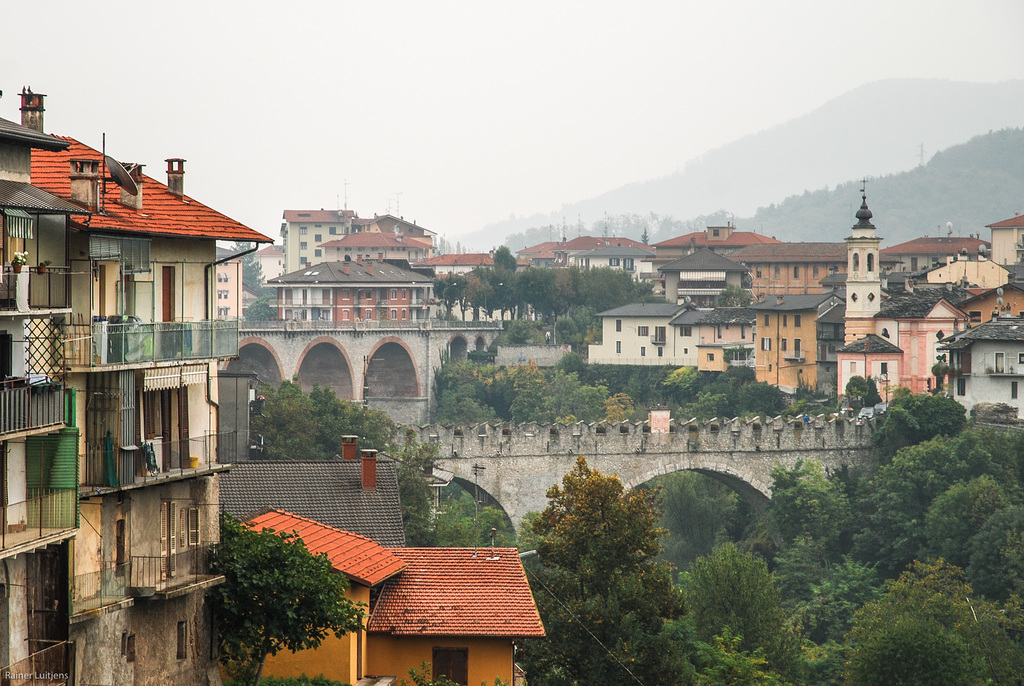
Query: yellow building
{"x": 979, "y": 273}
{"x": 786, "y": 341}
{"x": 460, "y": 609}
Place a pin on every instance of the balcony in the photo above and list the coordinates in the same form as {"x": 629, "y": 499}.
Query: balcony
{"x": 29, "y": 290}
{"x": 29, "y": 404}
{"x": 51, "y": 512}
{"x": 172, "y": 575}
{"x": 795, "y": 356}
{"x": 155, "y": 460}
{"x": 119, "y": 342}
{"x": 103, "y": 588}
{"x": 658, "y": 338}
{"x": 50, "y": 666}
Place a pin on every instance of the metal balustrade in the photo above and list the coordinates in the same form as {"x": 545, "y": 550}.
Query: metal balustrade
{"x": 24, "y": 406}
{"x": 29, "y": 289}
{"x": 157, "y": 573}
{"x": 52, "y": 511}
{"x": 103, "y": 343}
{"x": 156, "y": 459}
{"x": 107, "y": 586}
{"x": 50, "y": 666}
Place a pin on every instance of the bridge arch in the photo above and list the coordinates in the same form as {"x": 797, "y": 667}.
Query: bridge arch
{"x": 458, "y": 347}
{"x": 257, "y": 356}
{"x": 325, "y": 362}
{"x": 391, "y": 371}
{"x": 481, "y": 343}
{"x": 486, "y": 498}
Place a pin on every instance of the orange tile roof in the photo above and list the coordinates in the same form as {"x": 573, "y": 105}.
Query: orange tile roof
{"x": 700, "y": 239}
{"x": 454, "y": 592}
{"x": 162, "y": 214}
{"x": 591, "y": 242}
{"x": 1014, "y": 222}
{"x": 271, "y": 250}
{"x": 361, "y": 559}
{"x": 376, "y": 239}
{"x": 945, "y": 245}
{"x": 467, "y": 259}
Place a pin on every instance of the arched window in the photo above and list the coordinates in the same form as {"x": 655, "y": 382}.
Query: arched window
{"x": 856, "y": 262}
{"x": 871, "y": 262}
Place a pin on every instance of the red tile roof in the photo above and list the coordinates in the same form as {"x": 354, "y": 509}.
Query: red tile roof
{"x": 361, "y": 559}
{"x": 324, "y": 216}
{"x": 458, "y": 592}
{"x": 540, "y": 249}
{"x": 467, "y": 259}
{"x": 162, "y": 214}
{"x": 591, "y": 242}
{"x": 271, "y": 250}
{"x": 376, "y": 239}
{"x": 1014, "y": 222}
{"x": 944, "y": 245}
{"x": 700, "y": 238}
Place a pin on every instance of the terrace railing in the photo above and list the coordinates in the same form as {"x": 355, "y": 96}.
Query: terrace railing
{"x": 52, "y": 511}
{"x": 30, "y": 403}
{"x": 115, "y": 342}
{"x": 156, "y": 459}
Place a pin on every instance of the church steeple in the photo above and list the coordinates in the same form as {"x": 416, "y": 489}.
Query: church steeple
{"x": 863, "y": 282}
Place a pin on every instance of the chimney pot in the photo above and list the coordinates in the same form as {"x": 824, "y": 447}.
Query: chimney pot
{"x": 85, "y": 183}
{"x": 134, "y": 201}
{"x": 32, "y": 109}
{"x": 369, "y": 471}
{"x": 779, "y": 299}
{"x": 369, "y": 267}
{"x": 176, "y": 176}
{"x": 349, "y": 447}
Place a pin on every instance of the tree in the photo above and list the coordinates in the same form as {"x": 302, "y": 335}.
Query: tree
{"x": 252, "y": 270}
{"x": 958, "y": 514}
{"x": 699, "y": 512}
{"x": 606, "y": 598}
{"x": 913, "y": 419}
{"x": 263, "y": 309}
{"x": 733, "y": 296}
{"x": 997, "y": 555}
{"x": 732, "y": 589}
{"x": 807, "y": 504}
{"x": 504, "y": 260}
{"x": 276, "y": 596}
{"x": 930, "y": 628}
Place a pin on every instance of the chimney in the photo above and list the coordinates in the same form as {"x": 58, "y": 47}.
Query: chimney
{"x": 369, "y": 267}
{"x": 85, "y": 183}
{"x": 349, "y": 447}
{"x": 176, "y": 176}
{"x": 32, "y": 109}
{"x": 134, "y": 201}
{"x": 369, "y": 459}
{"x": 344, "y": 268}
{"x": 779, "y": 299}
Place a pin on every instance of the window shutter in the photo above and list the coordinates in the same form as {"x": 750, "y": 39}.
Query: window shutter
{"x": 193, "y": 526}
{"x": 164, "y": 517}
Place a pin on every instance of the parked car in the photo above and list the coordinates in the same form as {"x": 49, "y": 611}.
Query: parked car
{"x": 866, "y": 413}
{"x": 881, "y": 408}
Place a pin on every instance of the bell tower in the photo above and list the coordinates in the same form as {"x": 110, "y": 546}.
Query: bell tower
{"x": 863, "y": 282}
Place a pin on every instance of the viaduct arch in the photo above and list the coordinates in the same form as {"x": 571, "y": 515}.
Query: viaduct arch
{"x": 520, "y": 462}
{"x": 388, "y": 365}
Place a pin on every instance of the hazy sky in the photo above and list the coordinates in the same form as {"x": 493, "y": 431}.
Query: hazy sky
{"x": 470, "y": 111}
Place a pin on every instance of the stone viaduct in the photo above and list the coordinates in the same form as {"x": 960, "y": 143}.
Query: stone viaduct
{"x": 389, "y": 365}
{"x": 520, "y": 462}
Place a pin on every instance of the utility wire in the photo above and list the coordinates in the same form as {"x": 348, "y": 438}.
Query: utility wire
{"x": 585, "y": 627}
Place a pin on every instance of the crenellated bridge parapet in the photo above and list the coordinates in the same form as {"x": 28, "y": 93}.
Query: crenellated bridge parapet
{"x": 521, "y": 461}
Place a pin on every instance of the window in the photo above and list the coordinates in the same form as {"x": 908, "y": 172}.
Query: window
{"x": 317, "y": 252}
{"x": 368, "y": 314}
{"x": 883, "y": 368}
{"x": 961, "y": 386}
{"x": 182, "y": 640}
{"x": 757, "y": 272}
{"x": 394, "y": 314}
{"x": 452, "y": 663}
{"x": 766, "y": 344}
{"x": 613, "y": 261}
{"x": 815, "y": 271}
{"x": 783, "y": 345}
{"x": 319, "y": 238}
{"x": 643, "y": 351}
{"x": 796, "y": 347}
{"x": 1013, "y": 390}
{"x": 714, "y": 232}
{"x": 303, "y": 245}
{"x": 661, "y": 352}
{"x": 404, "y": 313}
{"x": 766, "y": 319}
{"x": 641, "y": 331}
{"x": 627, "y": 264}
{"x": 129, "y": 648}
{"x": 785, "y": 320}
{"x": 394, "y": 293}
{"x": 1020, "y": 358}
{"x": 871, "y": 262}
{"x": 711, "y": 357}
{"x": 687, "y": 330}
{"x": 796, "y": 271}
{"x": 333, "y": 230}
{"x": 796, "y": 320}
{"x": 303, "y": 230}
{"x": 618, "y": 325}
{"x": 913, "y": 264}
{"x": 618, "y": 347}
{"x": 1000, "y": 363}
{"x": 778, "y": 271}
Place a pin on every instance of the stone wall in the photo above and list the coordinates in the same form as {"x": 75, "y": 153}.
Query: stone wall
{"x": 541, "y": 355}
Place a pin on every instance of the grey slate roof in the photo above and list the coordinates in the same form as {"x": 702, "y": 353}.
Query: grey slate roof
{"x": 1009, "y": 329}
{"x": 12, "y": 132}
{"x": 617, "y": 251}
{"x": 870, "y": 344}
{"x": 917, "y": 305}
{"x": 643, "y": 310}
{"x": 329, "y": 492}
{"x": 729, "y": 315}
{"x": 703, "y": 260}
{"x": 25, "y": 196}
{"x": 361, "y": 273}
{"x": 792, "y": 302}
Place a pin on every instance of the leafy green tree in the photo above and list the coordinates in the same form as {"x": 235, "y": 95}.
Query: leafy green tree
{"x": 504, "y": 259}
{"x": 958, "y": 514}
{"x": 929, "y": 628}
{"x": 732, "y": 589}
{"x": 606, "y": 599}
{"x": 708, "y": 405}
{"x": 724, "y": 663}
{"x": 913, "y": 419}
{"x": 826, "y": 612}
{"x": 807, "y": 504}
{"x": 565, "y": 395}
{"x": 733, "y": 296}
{"x": 618, "y": 408}
{"x": 760, "y": 398}
{"x": 449, "y": 290}
{"x": 276, "y": 596}
{"x": 700, "y": 512}
{"x": 997, "y": 555}
{"x": 415, "y": 462}
{"x": 263, "y": 309}
{"x": 252, "y": 270}
{"x": 462, "y": 524}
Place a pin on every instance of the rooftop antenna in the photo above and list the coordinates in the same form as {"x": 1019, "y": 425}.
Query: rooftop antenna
{"x": 345, "y": 184}
{"x": 949, "y": 229}
{"x": 477, "y": 468}
{"x": 398, "y": 204}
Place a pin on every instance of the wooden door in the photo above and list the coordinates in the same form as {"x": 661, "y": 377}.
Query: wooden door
{"x": 168, "y": 293}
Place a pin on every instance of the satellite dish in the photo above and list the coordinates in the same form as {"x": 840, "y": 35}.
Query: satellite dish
{"x": 999, "y": 291}
{"x": 687, "y": 299}
{"x": 120, "y": 175}
{"x": 999, "y": 301}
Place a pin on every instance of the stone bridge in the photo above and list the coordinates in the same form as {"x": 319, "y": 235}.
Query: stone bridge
{"x": 389, "y": 365}
{"x": 520, "y": 462}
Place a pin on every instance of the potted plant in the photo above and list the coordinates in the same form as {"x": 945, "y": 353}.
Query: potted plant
{"x": 43, "y": 265}
{"x": 19, "y": 260}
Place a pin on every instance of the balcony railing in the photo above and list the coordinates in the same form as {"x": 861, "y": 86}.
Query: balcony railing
{"x": 161, "y": 573}
{"x": 108, "y": 586}
{"x": 30, "y": 403}
{"x": 278, "y": 325}
{"x": 50, "y": 666}
{"x": 156, "y": 459}
{"x": 107, "y": 343}
{"x": 50, "y": 512}
{"x": 28, "y": 289}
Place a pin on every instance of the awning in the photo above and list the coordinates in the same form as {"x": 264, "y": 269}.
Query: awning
{"x": 166, "y": 378}
{"x": 19, "y": 223}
